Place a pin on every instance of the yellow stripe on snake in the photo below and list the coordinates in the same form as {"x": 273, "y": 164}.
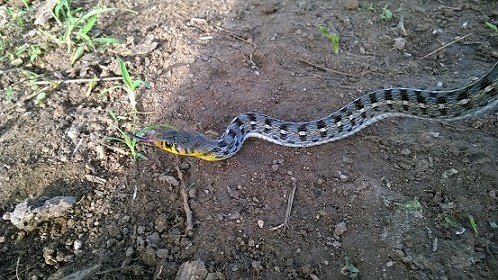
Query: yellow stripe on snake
{"x": 463, "y": 102}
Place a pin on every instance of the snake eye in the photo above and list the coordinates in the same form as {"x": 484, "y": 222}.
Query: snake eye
{"x": 167, "y": 144}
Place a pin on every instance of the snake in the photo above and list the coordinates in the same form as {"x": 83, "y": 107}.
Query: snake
{"x": 469, "y": 100}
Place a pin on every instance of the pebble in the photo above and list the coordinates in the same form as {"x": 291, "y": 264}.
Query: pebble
{"x": 160, "y": 223}
{"x": 251, "y": 242}
{"x": 141, "y": 230}
{"x": 261, "y": 223}
{"x": 234, "y": 216}
{"x": 389, "y": 263}
{"x": 162, "y": 253}
{"x": 77, "y": 244}
{"x": 169, "y": 179}
{"x": 129, "y": 252}
{"x": 192, "y": 192}
{"x": 256, "y": 265}
{"x": 405, "y": 152}
{"x": 140, "y": 241}
{"x": 340, "y": 228}
{"x": 346, "y": 159}
{"x": 399, "y": 43}
{"x": 110, "y": 243}
{"x": 48, "y": 256}
{"x": 492, "y": 193}
{"x": 149, "y": 256}
{"x": 351, "y": 4}
{"x": 275, "y": 167}
{"x": 154, "y": 239}
{"x": 450, "y": 172}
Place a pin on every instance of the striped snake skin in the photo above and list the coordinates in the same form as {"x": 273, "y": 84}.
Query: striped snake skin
{"x": 463, "y": 102}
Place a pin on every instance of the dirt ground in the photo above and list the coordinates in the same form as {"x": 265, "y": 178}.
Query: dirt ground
{"x": 395, "y": 199}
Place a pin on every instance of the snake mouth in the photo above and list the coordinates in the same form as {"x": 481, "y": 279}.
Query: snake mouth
{"x": 140, "y": 139}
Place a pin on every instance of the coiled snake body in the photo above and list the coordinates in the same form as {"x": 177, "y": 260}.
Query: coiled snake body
{"x": 467, "y": 101}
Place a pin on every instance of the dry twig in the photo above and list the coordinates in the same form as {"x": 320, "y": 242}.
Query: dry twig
{"x": 290, "y": 201}
{"x": 17, "y": 268}
{"x": 325, "y": 68}
{"x": 186, "y": 206}
{"x": 450, "y": 43}
{"x": 245, "y": 41}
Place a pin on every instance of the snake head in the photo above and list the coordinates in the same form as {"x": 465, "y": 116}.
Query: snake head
{"x": 184, "y": 143}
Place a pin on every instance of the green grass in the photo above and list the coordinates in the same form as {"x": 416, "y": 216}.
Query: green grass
{"x": 492, "y": 26}
{"x": 412, "y": 205}
{"x": 130, "y": 85}
{"x": 8, "y": 94}
{"x": 77, "y": 25}
{"x": 349, "y": 268}
{"x": 386, "y": 14}
{"x": 473, "y": 224}
{"x": 130, "y": 142}
{"x": 333, "y": 37}
{"x": 456, "y": 226}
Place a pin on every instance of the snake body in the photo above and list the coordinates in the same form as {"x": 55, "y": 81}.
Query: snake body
{"x": 466, "y": 101}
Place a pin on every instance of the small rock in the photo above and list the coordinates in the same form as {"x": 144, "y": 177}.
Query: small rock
{"x": 399, "y": 43}
{"x": 492, "y": 193}
{"x": 450, "y": 172}
{"x": 346, "y": 159}
{"x": 16, "y": 62}
{"x": 405, "y": 152}
{"x": 162, "y": 253}
{"x": 192, "y": 270}
{"x": 149, "y": 256}
{"x": 48, "y": 255}
{"x": 160, "y": 223}
{"x": 154, "y": 239}
{"x": 400, "y": 253}
{"x": 275, "y": 167}
{"x": 351, "y": 4}
{"x": 169, "y": 179}
{"x": 129, "y": 252}
{"x": 27, "y": 218}
{"x": 256, "y": 265}
{"x": 110, "y": 243}
{"x": 140, "y": 241}
{"x": 140, "y": 230}
{"x": 192, "y": 192}
{"x": 389, "y": 263}
{"x": 261, "y": 223}
{"x": 234, "y": 216}
{"x": 77, "y": 244}
{"x": 340, "y": 228}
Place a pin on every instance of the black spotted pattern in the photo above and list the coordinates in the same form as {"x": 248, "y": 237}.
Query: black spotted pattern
{"x": 284, "y": 128}
{"x": 252, "y": 119}
{"x": 268, "y": 125}
{"x": 304, "y": 129}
